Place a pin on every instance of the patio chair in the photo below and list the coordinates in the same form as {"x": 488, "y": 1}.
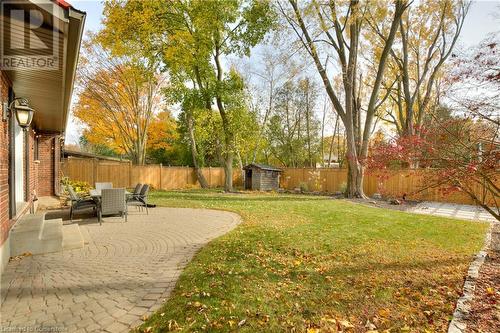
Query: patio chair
{"x": 102, "y": 186}
{"x": 140, "y": 200}
{"x": 113, "y": 202}
{"x": 78, "y": 203}
{"x": 137, "y": 190}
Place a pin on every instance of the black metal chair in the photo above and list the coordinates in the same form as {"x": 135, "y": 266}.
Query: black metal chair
{"x": 140, "y": 200}
{"x": 137, "y": 190}
{"x": 78, "y": 203}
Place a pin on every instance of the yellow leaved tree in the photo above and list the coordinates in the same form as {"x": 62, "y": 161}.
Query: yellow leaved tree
{"x": 118, "y": 98}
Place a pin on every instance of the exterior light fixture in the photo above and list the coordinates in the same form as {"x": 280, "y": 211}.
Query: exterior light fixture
{"x": 23, "y": 111}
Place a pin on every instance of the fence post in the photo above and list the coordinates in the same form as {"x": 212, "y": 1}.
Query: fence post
{"x": 129, "y": 173}
{"x": 95, "y": 165}
{"x": 160, "y": 187}
{"x": 209, "y": 176}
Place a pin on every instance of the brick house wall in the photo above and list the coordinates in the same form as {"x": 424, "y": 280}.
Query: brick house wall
{"x": 49, "y": 155}
{"x": 43, "y": 162}
{"x": 4, "y": 164}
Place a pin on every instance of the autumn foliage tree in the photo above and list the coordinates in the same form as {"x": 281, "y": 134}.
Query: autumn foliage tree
{"x": 192, "y": 39}
{"x": 163, "y": 139}
{"x": 462, "y": 150}
{"x": 118, "y": 97}
{"x": 427, "y": 34}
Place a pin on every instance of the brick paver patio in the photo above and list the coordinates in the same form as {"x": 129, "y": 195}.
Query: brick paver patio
{"x": 124, "y": 272}
{"x": 466, "y": 212}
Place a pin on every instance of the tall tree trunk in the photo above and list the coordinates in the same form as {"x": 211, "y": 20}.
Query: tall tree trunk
{"x": 228, "y": 171}
{"x": 228, "y": 136}
{"x": 348, "y": 57}
{"x": 333, "y": 140}
{"x": 264, "y": 122}
{"x": 240, "y": 164}
{"x": 354, "y": 169}
{"x": 194, "y": 151}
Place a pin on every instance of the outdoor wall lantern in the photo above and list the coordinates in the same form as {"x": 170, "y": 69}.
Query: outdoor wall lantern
{"x": 21, "y": 107}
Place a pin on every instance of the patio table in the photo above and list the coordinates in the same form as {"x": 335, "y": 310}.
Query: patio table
{"x": 96, "y": 194}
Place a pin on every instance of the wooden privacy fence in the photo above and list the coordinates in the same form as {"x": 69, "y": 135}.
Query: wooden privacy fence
{"x": 396, "y": 184}
{"x": 124, "y": 174}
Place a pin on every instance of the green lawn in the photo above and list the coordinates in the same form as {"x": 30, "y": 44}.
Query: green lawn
{"x": 315, "y": 264}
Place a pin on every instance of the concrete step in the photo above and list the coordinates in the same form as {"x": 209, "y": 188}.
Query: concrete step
{"x": 29, "y": 222}
{"x": 51, "y": 229}
{"x": 32, "y": 233}
{"x": 24, "y": 236}
{"x": 72, "y": 237}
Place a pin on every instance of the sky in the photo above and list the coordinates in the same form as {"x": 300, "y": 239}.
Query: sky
{"x": 483, "y": 18}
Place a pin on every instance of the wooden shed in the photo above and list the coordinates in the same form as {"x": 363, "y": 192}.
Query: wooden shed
{"x": 260, "y": 177}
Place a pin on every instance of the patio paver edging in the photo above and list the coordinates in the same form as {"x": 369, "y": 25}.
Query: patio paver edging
{"x": 462, "y": 309}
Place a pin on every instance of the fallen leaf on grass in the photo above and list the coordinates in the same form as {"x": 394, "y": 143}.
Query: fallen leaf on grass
{"x": 346, "y": 324}
{"x": 384, "y": 313}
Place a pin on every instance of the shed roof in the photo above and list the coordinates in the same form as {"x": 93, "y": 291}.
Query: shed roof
{"x": 262, "y": 167}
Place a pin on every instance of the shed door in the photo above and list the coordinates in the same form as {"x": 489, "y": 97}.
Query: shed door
{"x": 248, "y": 179}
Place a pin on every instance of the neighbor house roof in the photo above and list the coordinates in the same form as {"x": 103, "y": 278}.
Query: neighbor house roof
{"x": 80, "y": 154}
{"x": 49, "y": 91}
{"x": 262, "y": 167}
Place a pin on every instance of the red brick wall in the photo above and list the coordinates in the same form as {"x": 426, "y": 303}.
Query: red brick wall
{"x": 4, "y": 163}
{"x": 48, "y": 150}
{"x": 33, "y": 178}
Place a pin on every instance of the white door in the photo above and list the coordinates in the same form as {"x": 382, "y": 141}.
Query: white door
{"x": 19, "y": 162}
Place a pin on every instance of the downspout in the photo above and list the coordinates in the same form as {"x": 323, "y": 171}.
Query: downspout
{"x": 57, "y": 165}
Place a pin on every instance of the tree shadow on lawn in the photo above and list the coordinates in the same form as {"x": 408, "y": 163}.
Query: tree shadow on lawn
{"x": 428, "y": 264}
{"x": 210, "y": 196}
